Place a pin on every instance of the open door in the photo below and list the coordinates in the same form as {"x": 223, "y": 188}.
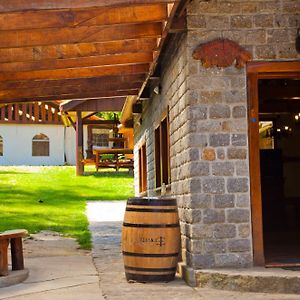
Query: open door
{"x": 274, "y": 142}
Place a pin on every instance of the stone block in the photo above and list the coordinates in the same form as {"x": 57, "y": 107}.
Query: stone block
{"x": 194, "y": 246}
{"x": 196, "y": 21}
{"x": 241, "y": 168}
{"x": 219, "y": 111}
{"x": 224, "y": 201}
{"x": 198, "y": 169}
{"x": 224, "y": 231}
{"x": 287, "y": 50}
{"x": 256, "y": 37}
{"x": 239, "y": 140}
{"x": 213, "y": 185}
{"x": 198, "y": 112}
{"x": 210, "y": 97}
{"x": 237, "y": 185}
{"x": 218, "y": 140}
{"x": 237, "y": 153}
{"x": 244, "y": 230}
{"x": 239, "y": 112}
{"x": 218, "y": 22}
{"x": 239, "y": 245}
{"x": 222, "y": 168}
{"x": 238, "y": 215}
{"x": 264, "y": 20}
{"x": 197, "y": 140}
{"x": 195, "y": 185}
{"x": 265, "y": 51}
{"x": 193, "y": 154}
{"x": 200, "y": 231}
{"x": 228, "y": 260}
{"x": 212, "y": 216}
{"x": 214, "y": 246}
{"x": 198, "y": 261}
{"x": 209, "y": 154}
{"x": 221, "y": 153}
{"x": 199, "y": 201}
{"x": 277, "y": 36}
{"x": 242, "y": 200}
{"x": 241, "y": 21}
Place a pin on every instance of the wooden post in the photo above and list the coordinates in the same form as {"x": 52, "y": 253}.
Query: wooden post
{"x": 17, "y": 259}
{"x": 79, "y": 145}
{"x": 3, "y": 257}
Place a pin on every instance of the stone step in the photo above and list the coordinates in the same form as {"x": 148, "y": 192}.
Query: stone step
{"x": 262, "y": 280}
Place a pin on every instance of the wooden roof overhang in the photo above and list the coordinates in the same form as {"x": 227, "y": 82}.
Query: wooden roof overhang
{"x": 80, "y": 50}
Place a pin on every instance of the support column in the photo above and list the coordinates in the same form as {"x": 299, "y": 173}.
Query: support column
{"x": 79, "y": 145}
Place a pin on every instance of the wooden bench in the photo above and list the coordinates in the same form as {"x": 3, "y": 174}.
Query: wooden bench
{"x": 14, "y": 238}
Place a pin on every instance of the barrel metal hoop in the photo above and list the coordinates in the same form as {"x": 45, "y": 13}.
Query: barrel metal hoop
{"x": 151, "y": 201}
{"x": 150, "y": 269}
{"x": 157, "y": 210}
{"x": 150, "y": 254}
{"x": 151, "y": 225}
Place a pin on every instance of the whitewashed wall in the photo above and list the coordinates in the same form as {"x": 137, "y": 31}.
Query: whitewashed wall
{"x": 17, "y": 148}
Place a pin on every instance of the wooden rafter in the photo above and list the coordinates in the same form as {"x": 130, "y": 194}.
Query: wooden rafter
{"x": 93, "y": 50}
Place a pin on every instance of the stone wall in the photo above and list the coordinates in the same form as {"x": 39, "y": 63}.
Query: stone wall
{"x": 217, "y": 209}
{"x": 208, "y": 125}
{"x": 173, "y": 96}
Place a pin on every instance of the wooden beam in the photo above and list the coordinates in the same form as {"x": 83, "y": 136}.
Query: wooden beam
{"x": 58, "y": 91}
{"x": 75, "y": 72}
{"x": 83, "y": 96}
{"x": 95, "y": 105}
{"x": 79, "y": 145}
{"x": 64, "y": 51}
{"x": 92, "y": 61}
{"x": 21, "y": 5}
{"x": 107, "y": 81}
{"x": 100, "y": 122}
{"x": 92, "y": 17}
{"x": 43, "y": 37}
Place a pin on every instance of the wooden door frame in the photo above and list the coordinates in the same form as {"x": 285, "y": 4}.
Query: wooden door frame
{"x": 256, "y": 71}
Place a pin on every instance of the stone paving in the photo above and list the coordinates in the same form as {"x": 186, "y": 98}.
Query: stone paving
{"x": 108, "y": 261}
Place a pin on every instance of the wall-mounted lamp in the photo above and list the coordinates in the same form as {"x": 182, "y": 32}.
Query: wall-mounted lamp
{"x": 298, "y": 41}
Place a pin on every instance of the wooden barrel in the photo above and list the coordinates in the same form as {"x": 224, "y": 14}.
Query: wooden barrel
{"x": 151, "y": 239}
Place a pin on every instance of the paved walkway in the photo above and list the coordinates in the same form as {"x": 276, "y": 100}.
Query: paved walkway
{"x": 60, "y": 271}
{"x": 108, "y": 261}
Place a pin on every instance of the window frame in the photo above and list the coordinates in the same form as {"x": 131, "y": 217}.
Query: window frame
{"x": 143, "y": 178}
{"x": 162, "y": 152}
{"x": 1, "y": 146}
{"x": 38, "y": 152}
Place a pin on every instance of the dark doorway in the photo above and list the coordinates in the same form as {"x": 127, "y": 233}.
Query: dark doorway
{"x": 279, "y": 147}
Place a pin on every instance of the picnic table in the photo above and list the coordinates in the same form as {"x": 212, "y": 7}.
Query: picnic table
{"x": 116, "y": 162}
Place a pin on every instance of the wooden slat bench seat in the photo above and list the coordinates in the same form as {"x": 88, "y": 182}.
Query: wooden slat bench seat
{"x": 14, "y": 238}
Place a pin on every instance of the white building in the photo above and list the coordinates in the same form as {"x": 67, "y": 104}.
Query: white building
{"x": 34, "y": 134}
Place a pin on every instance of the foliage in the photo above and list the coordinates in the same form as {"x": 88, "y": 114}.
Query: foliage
{"x": 109, "y": 115}
{"x": 53, "y": 198}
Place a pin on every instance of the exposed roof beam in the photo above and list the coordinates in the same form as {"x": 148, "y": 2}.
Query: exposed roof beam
{"x": 75, "y": 72}
{"x": 92, "y": 61}
{"x": 79, "y": 96}
{"x": 107, "y": 81}
{"x": 21, "y": 5}
{"x": 78, "y": 18}
{"x": 67, "y": 89}
{"x": 94, "y": 105}
{"x": 43, "y": 37}
{"x": 76, "y": 50}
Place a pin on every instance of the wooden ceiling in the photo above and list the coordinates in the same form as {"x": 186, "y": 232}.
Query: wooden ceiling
{"x": 80, "y": 49}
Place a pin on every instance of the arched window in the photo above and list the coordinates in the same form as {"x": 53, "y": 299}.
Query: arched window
{"x": 40, "y": 145}
{"x": 1, "y": 146}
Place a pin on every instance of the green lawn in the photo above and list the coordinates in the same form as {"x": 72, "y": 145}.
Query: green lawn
{"x": 53, "y": 198}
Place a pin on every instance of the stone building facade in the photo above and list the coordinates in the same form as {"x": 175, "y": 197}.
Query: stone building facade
{"x": 208, "y": 119}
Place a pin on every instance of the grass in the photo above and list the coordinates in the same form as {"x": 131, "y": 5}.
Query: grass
{"x": 53, "y": 198}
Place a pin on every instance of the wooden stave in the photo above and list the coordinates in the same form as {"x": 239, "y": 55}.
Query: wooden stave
{"x": 139, "y": 264}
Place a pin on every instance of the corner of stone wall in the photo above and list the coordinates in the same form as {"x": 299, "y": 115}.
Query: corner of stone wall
{"x": 187, "y": 274}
